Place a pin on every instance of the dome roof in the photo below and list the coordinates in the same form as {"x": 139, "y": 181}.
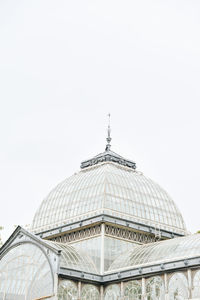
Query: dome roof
{"x": 108, "y": 184}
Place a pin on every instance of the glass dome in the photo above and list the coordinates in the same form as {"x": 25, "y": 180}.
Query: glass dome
{"x": 108, "y": 188}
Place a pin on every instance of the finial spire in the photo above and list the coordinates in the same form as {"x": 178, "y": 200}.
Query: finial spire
{"x": 108, "y": 139}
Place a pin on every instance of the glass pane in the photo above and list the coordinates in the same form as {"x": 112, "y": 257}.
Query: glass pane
{"x": 155, "y": 289}
{"x": 112, "y": 292}
{"x": 90, "y": 292}
{"x": 67, "y": 290}
{"x": 196, "y": 285}
{"x": 178, "y": 287}
{"x": 133, "y": 291}
{"x": 113, "y": 248}
{"x": 92, "y": 247}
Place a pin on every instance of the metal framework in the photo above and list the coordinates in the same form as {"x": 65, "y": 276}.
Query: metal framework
{"x": 113, "y": 231}
{"x": 109, "y": 220}
{"x": 79, "y": 234}
{"x": 177, "y": 276}
{"x": 111, "y": 189}
{"x": 129, "y": 235}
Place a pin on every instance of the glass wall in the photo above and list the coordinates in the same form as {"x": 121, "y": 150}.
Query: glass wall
{"x": 172, "y": 287}
{"x": 25, "y": 274}
{"x": 68, "y": 290}
{"x": 113, "y": 248}
{"x": 92, "y": 247}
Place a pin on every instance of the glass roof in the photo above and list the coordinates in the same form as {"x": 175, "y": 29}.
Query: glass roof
{"x": 25, "y": 271}
{"x": 111, "y": 189}
{"x": 159, "y": 252}
{"x": 73, "y": 259}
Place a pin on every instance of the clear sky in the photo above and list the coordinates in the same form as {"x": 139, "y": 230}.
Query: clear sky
{"x": 65, "y": 64}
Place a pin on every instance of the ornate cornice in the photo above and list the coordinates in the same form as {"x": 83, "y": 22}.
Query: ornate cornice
{"x": 106, "y": 156}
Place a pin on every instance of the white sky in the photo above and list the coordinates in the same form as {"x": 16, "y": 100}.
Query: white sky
{"x": 65, "y": 64}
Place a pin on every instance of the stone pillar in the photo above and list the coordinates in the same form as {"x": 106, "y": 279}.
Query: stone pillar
{"x": 143, "y": 289}
{"x": 189, "y": 278}
{"x": 101, "y": 292}
{"x": 56, "y": 282}
{"x": 121, "y": 290}
{"x": 79, "y": 290}
{"x": 166, "y": 286}
{"x": 102, "y": 249}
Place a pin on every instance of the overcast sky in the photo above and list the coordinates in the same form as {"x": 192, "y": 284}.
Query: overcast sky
{"x": 65, "y": 64}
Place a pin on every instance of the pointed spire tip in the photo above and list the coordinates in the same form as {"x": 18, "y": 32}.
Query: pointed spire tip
{"x": 108, "y": 139}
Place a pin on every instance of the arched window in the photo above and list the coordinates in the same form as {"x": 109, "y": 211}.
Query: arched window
{"x": 67, "y": 290}
{"x": 178, "y": 287}
{"x": 133, "y": 291}
{"x": 90, "y": 292}
{"x": 112, "y": 292}
{"x": 196, "y": 285}
{"x": 155, "y": 289}
{"x": 25, "y": 273}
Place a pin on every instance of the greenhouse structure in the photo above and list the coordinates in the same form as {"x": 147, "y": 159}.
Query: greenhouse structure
{"x": 106, "y": 233}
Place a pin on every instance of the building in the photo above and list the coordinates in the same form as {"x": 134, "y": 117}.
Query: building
{"x": 107, "y": 232}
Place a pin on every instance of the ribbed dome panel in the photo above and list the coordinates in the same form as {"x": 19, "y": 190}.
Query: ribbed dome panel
{"x": 111, "y": 189}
